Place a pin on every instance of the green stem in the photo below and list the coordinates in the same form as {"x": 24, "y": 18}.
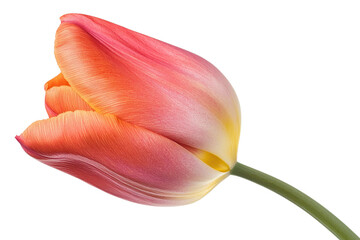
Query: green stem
{"x": 338, "y": 228}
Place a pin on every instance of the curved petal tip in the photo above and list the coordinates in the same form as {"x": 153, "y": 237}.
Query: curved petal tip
{"x": 32, "y": 153}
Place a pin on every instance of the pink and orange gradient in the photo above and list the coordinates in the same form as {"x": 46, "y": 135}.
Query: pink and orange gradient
{"x": 134, "y": 116}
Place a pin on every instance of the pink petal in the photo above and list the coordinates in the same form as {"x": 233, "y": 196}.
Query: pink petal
{"x": 122, "y": 159}
{"x": 149, "y": 83}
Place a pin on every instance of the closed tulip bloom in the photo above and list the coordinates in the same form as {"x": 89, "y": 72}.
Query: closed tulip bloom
{"x": 134, "y": 116}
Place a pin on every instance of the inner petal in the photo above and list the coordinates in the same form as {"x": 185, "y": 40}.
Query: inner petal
{"x": 59, "y": 99}
{"x": 59, "y": 80}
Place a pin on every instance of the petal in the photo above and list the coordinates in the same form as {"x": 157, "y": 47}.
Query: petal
{"x": 59, "y": 80}
{"x": 125, "y": 160}
{"x": 63, "y": 98}
{"x": 149, "y": 83}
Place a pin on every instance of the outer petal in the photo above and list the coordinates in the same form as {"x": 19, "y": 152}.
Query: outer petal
{"x": 62, "y": 99}
{"x": 120, "y": 158}
{"x": 149, "y": 83}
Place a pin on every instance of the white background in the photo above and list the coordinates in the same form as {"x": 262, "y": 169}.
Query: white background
{"x": 295, "y": 68}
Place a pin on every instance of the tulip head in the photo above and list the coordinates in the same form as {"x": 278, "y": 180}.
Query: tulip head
{"x": 134, "y": 116}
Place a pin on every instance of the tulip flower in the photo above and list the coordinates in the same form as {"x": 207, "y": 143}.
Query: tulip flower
{"x": 134, "y": 116}
{"x": 143, "y": 120}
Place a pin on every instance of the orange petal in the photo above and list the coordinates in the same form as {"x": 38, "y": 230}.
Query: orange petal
{"x": 62, "y": 99}
{"x": 59, "y": 80}
{"x": 120, "y": 158}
